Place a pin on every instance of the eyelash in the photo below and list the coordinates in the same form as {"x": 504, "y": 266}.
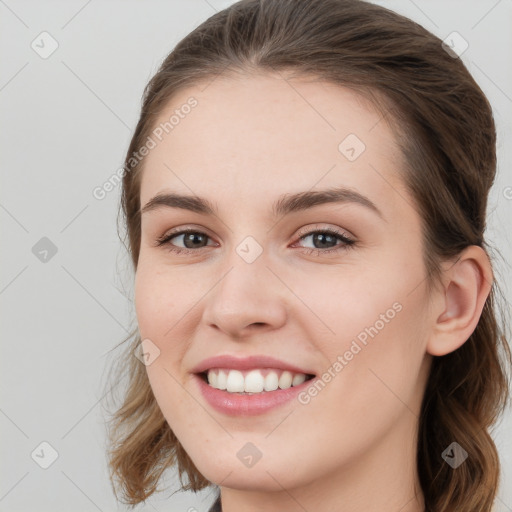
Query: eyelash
{"x": 347, "y": 242}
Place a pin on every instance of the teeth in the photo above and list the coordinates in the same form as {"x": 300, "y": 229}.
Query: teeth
{"x": 285, "y": 381}
{"x": 222, "y": 380}
{"x": 253, "y": 381}
{"x": 235, "y": 382}
{"x": 212, "y": 379}
{"x": 271, "y": 381}
{"x": 298, "y": 378}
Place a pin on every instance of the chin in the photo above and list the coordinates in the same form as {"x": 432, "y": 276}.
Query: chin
{"x": 259, "y": 481}
{"x": 263, "y": 476}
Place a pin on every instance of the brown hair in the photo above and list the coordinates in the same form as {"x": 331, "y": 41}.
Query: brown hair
{"x": 445, "y": 128}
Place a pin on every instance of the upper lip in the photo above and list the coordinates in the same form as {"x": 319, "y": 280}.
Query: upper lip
{"x": 247, "y": 363}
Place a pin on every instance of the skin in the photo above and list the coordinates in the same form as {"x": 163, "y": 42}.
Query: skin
{"x": 251, "y": 139}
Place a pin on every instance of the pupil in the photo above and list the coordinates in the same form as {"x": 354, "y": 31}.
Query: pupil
{"x": 191, "y": 237}
{"x": 322, "y": 237}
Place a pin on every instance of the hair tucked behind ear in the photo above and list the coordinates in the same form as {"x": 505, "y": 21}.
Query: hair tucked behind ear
{"x": 445, "y": 128}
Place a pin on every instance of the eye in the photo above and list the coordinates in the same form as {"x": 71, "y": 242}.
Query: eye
{"x": 194, "y": 239}
{"x": 327, "y": 236}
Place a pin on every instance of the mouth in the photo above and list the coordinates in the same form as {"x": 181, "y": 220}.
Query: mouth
{"x": 256, "y": 381}
{"x": 250, "y": 385}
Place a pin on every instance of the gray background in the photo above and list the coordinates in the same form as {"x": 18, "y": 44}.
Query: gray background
{"x": 66, "y": 123}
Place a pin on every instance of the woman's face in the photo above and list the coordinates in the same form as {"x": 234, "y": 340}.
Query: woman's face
{"x": 262, "y": 277}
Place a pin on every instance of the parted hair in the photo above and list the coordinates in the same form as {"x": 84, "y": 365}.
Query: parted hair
{"x": 444, "y": 126}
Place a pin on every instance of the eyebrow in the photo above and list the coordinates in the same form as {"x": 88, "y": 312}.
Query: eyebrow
{"x": 287, "y": 203}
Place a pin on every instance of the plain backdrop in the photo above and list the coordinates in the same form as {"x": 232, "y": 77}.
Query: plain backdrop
{"x": 65, "y": 282}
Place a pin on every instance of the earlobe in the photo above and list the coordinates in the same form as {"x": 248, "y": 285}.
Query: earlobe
{"x": 467, "y": 284}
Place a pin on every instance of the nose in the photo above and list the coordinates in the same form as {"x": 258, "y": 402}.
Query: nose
{"x": 248, "y": 298}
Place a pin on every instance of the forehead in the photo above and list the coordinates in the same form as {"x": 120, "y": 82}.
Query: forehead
{"x": 251, "y": 137}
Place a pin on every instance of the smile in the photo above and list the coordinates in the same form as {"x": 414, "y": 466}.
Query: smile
{"x": 249, "y": 385}
{"x": 260, "y": 380}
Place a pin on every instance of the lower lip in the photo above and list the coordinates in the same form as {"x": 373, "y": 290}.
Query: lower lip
{"x": 248, "y": 405}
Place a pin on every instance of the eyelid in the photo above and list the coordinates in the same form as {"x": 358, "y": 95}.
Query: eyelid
{"x": 183, "y": 230}
{"x": 308, "y": 230}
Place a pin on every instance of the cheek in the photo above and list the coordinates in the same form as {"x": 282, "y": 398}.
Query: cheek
{"x": 166, "y": 317}
{"x": 156, "y": 301}
{"x": 354, "y": 304}
{"x": 375, "y": 332}
{"x": 157, "y": 313}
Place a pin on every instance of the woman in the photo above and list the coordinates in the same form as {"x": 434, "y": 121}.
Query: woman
{"x": 305, "y": 196}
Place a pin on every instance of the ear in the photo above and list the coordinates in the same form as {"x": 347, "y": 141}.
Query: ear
{"x": 459, "y": 304}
